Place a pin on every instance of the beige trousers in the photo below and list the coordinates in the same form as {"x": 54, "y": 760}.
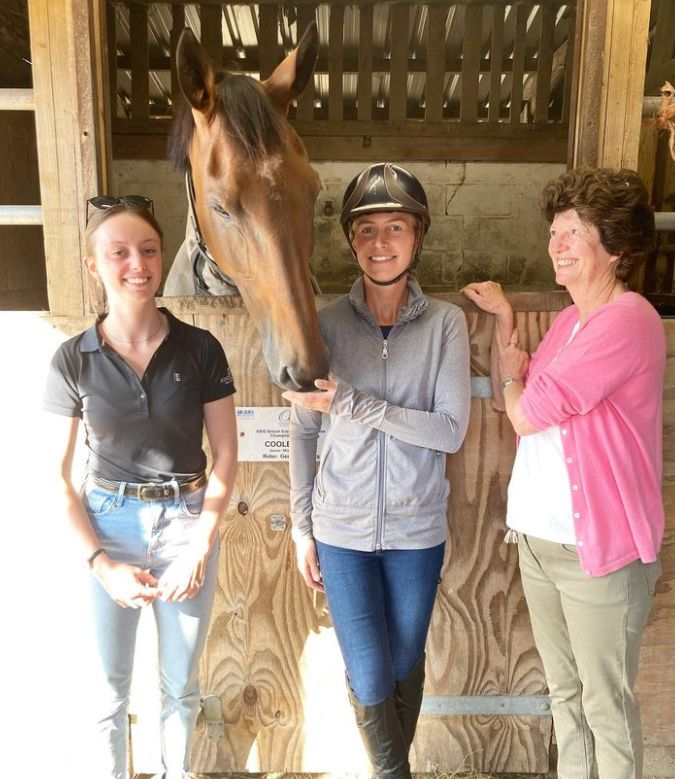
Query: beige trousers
{"x": 588, "y": 632}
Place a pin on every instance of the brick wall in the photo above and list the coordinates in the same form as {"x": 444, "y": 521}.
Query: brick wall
{"x": 485, "y": 220}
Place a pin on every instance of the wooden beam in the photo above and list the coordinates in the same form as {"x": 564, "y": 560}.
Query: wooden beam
{"x": 350, "y": 59}
{"x": 611, "y": 81}
{"x": 212, "y": 31}
{"x": 435, "y": 84}
{"x": 365, "y": 77}
{"x": 473, "y": 29}
{"x": 305, "y": 110}
{"x": 298, "y": 3}
{"x": 177, "y": 25}
{"x": 113, "y": 67}
{"x": 140, "y": 77}
{"x": 335, "y": 67}
{"x": 544, "y": 71}
{"x": 522, "y": 12}
{"x": 662, "y": 45}
{"x": 497, "y": 56}
{"x": 268, "y": 40}
{"x": 64, "y": 54}
{"x": 351, "y": 141}
{"x": 17, "y": 100}
{"x": 398, "y": 83}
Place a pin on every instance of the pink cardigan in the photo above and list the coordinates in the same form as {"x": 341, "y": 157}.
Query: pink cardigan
{"x": 604, "y": 389}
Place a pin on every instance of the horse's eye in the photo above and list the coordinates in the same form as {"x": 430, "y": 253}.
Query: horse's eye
{"x": 221, "y": 211}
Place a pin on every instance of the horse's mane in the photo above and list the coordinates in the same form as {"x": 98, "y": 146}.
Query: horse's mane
{"x": 248, "y": 117}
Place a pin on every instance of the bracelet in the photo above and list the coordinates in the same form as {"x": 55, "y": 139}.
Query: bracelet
{"x": 508, "y": 382}
{"x": 94, "y": 555}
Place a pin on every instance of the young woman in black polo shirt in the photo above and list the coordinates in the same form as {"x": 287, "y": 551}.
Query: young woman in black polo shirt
{"x": 146, "y": 522}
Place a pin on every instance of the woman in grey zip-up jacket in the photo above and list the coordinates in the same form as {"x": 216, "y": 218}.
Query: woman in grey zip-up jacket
{"x": 370, "y": 525}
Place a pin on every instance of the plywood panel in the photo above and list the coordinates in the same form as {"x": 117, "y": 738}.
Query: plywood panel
{"x": 272, "y": 657}
{"x": 656, "y": 679}
{"x": 269, "y": 635}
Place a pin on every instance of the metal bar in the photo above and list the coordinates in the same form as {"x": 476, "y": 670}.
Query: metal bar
{"x": 17, "y": 100}
{"x": 20, "y": 215}
{"x": 456, "y": 705}
{"x": 481, "y": 387}
{"x": 664, "y": 221}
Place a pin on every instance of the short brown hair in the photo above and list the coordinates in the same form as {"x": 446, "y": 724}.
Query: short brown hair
{"x": 616, "y": 202}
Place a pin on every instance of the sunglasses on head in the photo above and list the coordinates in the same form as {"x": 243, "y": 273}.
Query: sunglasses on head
{"x": 131, "y": 201}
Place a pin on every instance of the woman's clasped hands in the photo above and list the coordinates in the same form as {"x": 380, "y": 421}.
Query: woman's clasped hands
{"x": 133, "y": 587}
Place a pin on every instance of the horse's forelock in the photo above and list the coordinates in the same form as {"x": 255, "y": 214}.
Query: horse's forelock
{"x": 248, "y": 117}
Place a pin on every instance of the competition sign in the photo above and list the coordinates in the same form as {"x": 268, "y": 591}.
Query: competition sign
{"x": 263, "y": 433}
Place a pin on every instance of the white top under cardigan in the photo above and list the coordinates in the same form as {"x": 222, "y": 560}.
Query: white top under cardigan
{"x": 539, "y": 500}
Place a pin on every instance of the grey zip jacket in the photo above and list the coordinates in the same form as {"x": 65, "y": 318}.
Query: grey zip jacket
{"x": 401, "y": 404}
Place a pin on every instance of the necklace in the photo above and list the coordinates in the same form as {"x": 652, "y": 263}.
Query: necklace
{"x": 134, "y": 340}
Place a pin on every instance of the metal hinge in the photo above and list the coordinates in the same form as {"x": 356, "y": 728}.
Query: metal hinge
{"x": 212, "y": 707}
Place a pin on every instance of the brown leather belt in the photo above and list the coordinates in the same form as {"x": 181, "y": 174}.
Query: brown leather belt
{"x": 151, "y": 491}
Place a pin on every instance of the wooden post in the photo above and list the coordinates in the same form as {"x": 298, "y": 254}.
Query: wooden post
{"x": 66, "y": 50}
{"x": 611, "y": 69}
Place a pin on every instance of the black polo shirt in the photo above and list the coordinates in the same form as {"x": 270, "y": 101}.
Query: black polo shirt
{"x": 141, "y": 430}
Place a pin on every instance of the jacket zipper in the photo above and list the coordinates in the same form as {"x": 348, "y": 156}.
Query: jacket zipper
{"x": 383, "y": 454}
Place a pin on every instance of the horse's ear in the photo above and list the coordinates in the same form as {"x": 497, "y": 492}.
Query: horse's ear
{"x": 195, "y": 72}
{"x": 291, "y": 76}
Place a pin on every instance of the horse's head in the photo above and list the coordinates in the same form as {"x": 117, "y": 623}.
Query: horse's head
{"x": 254, "y": 197}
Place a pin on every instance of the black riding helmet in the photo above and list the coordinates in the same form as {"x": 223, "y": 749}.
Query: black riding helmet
{"x": 386, "y": 187}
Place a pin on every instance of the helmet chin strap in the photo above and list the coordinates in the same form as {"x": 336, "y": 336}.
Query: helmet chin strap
{"x": 391, "y": 281}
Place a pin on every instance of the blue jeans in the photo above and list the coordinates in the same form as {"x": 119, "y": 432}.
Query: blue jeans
{"x": 150, "y": 535}
{"x": 380, "y": 604}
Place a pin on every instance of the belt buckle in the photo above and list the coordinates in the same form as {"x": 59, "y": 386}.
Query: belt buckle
{"x": 149, "y": 491}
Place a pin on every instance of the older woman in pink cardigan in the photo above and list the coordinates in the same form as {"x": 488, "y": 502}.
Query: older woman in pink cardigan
{"x": 585, "y": 492}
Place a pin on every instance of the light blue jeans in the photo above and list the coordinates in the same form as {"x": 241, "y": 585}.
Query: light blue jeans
{"x": 150, "y": 535}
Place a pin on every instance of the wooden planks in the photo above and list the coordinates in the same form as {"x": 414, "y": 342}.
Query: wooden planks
{"x": 68, "y": 128}
{"x": 177, "y": 25}
{"x": 398, "y": 83}
{"x": 391, "y": 62}
{"x": 268, "y": 635}
{"x": 365, "y": 77}
{"x": 271, "y": 655}
{"x": 305, "y": 110}
{"x": 212, "y": 31}
{"x": 412, "y": 140}
{"x": 611, "y": 77}
{"x": 656, "y": 678}
{"x": 268, "y": 40}
{"x": 335, "y": 63}
{"x": 140, "y": 83}
{"x": 545, "y": 64}
{"x": 497, "y": 57}
{"x": 518, "y": 64}
{"x": 22, "y": 261}
{"x": 471, "y": 54}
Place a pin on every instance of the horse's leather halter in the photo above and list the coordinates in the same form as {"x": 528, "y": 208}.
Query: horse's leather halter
{"x": 203, "y": 262}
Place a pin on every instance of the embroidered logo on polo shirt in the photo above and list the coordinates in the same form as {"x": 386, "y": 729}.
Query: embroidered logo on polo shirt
{"x": 176, "y": 377}
{"x": 227, "y": 377}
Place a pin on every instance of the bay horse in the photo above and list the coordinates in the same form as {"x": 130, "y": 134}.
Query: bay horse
{"x": 251, "y": 195}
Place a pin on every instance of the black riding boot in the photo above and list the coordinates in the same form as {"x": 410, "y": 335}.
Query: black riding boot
{"x": 408, "y": 695}
{"x": 382, "y": 737}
